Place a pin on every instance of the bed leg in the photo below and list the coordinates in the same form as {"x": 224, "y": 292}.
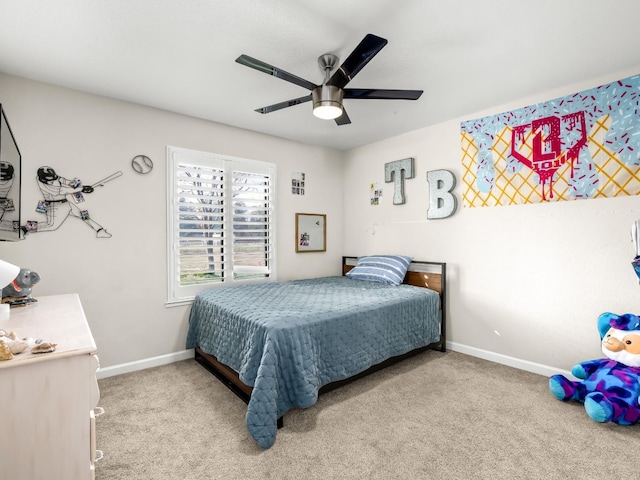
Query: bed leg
{"x": 280, "y": 422}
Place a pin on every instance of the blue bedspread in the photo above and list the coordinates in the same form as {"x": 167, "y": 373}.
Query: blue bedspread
{"x": 288, "y": 339}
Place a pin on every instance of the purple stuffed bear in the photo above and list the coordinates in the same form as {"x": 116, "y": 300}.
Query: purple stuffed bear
{"x": 610, "y": 387}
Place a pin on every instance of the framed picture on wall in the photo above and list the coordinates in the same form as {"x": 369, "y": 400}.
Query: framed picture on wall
{"x": 311, "y": 232}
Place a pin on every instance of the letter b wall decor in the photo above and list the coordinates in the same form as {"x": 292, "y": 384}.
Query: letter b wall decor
{"x": 442, "y": 203}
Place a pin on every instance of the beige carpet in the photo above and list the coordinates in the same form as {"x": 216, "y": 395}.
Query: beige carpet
{"x": 435, "y": 416}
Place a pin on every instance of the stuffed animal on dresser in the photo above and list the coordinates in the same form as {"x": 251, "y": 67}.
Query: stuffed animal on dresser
{"x": 608, "y": 387}
{"x": 21, "y": 286}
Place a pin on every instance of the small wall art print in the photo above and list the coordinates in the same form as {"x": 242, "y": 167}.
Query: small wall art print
{"x": 297, "y": 183}
{"x": 581, "y": 146}
{"x": 375, "y": 192}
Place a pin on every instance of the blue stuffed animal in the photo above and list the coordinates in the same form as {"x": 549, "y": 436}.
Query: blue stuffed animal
{"x": 610, "y": 387}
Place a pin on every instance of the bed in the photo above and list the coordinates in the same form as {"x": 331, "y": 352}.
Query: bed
{"x": 277, "y": 345}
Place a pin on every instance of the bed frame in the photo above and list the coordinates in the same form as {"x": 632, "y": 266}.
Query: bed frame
{"x": 432, "y": 275}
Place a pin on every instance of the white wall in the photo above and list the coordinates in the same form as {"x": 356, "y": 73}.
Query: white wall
{"x": 122, "y": 280}
{"x": 526, "y": 281}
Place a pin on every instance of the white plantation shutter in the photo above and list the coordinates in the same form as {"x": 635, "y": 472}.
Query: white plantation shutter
{"x": 220, "y": 221}
{"x": 252, "y": 224}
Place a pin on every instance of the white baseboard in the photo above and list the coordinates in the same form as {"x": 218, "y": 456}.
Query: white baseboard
{"x": 145, "y": 363}
{"x": 538, "y": 368}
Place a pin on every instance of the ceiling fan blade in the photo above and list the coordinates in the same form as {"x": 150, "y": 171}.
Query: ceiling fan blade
{"x": 361, "y": 55}
{"x": 380, "y": 94}
{"x": 344, "y": 118}
{"x": 276, "y": 72}
{"x": 281, "y": 105}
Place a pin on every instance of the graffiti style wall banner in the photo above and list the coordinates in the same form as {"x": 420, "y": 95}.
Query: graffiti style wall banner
{"x": 584, "y": 145}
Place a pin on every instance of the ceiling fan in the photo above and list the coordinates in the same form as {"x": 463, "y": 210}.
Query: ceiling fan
{"x": 327, "y": 97}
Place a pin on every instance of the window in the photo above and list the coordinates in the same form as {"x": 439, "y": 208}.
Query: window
{"x": 221, "y": 219}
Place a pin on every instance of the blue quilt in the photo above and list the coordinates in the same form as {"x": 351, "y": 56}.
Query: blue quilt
{"x": 288, "y": 339}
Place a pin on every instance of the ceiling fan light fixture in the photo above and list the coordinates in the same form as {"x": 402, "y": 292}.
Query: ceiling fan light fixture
{"x": 327, "y": 112}
{"x": 327, "y": 102}
{"x": 327, "y": 97}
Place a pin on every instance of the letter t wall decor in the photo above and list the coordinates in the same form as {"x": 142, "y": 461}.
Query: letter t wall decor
{"x": 396, "y": 172}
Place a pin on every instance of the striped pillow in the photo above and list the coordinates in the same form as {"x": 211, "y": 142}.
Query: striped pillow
{"x": 388, "y": 269}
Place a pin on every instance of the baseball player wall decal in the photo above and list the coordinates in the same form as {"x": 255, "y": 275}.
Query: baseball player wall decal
{"x": 61, "y": 199}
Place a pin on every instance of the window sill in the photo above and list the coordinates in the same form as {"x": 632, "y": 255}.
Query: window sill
{"x": 178, "y": 303}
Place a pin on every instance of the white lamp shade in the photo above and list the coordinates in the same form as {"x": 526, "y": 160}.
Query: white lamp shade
{"x": 8, "y": 272}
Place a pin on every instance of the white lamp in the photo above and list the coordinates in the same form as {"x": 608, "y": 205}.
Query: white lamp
{"x": 8, "y": 272}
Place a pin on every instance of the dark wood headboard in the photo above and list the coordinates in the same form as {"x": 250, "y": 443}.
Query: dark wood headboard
{"x": 430, "y": 275}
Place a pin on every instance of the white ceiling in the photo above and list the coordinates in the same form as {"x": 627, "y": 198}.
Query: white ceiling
{"x": 179, "y": 55}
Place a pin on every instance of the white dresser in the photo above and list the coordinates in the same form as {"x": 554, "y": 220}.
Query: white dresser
{"x": 48, "y": 401}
